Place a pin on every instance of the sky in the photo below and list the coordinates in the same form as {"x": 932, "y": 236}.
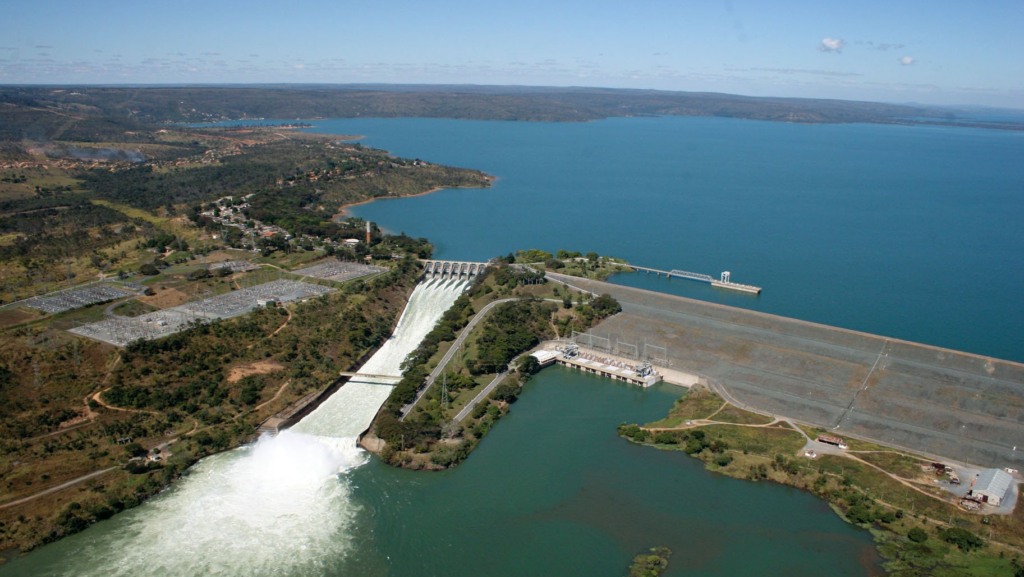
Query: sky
{"x": 929, "y": 52}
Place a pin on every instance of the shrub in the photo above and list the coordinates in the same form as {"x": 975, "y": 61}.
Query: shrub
{"x": 917, "y": 535}
{"x": 666, "y": 438}
{"x": 962, "y": 538}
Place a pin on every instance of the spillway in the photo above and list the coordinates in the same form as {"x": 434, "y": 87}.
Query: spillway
{"x": 280, "y": 506}
{"x": 348, "y": 412}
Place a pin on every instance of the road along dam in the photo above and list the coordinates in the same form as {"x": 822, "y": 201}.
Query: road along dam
{"x": 926, "y": 399}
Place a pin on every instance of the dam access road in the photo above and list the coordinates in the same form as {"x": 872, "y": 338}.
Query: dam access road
{"x": 932, "y": 401}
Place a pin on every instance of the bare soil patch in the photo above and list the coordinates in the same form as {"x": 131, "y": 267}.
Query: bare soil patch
{"x": 165, "y": 298}
{"x": 257, "y": 368}
{"x": 11, "y": 317}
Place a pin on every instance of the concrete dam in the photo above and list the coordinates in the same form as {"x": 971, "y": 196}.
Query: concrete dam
{"x": 925, "y": 399}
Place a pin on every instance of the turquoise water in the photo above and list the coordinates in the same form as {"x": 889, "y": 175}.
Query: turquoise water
{"x": 908, "y": 232}
{"x": 553, "y": 491}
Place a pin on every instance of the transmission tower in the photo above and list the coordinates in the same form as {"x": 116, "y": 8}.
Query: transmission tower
{"x": 444, "y": 391}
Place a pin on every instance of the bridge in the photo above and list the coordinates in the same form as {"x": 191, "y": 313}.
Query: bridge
{"x": 369, "y": 376}
{"x": 724, "y": 282}
{"x": 453, "y": 269}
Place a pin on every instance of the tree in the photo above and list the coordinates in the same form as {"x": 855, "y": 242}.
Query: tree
{"x": 605, "y": 306}
{"x": 507, "y": 392}
{"x": 528, "y": 365}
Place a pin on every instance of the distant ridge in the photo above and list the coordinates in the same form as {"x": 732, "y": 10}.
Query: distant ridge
{"x": 202, "y": 103}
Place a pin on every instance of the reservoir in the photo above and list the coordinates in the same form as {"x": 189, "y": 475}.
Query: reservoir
{"x": 910, "y": 232}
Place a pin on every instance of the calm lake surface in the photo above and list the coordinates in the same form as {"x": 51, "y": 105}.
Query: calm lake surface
{"x": 908, "y": 232}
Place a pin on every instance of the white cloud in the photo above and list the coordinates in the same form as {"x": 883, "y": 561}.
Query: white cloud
{"x": 907, "y": 60}
{"x": 832, "y": 45}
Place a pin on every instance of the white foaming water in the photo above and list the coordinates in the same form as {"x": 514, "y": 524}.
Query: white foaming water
{"x": 280, "y": 506}
{"x": 349, "y": 412}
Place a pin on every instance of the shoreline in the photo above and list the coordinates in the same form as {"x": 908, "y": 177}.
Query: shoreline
{"x": 343, "y": 209}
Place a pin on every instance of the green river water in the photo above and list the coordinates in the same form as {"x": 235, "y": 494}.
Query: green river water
{"x": 554, "y": 491}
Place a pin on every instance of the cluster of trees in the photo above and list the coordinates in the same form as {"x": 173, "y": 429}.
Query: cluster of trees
{"x": 962, "y": 538}
{"x": 693, "y": 441}
{"x": 414, "y": 372}
{"x": 53, "y": 228}
{"x": 650, "y": 564}
{"x": 142, "y": 187}
{"x": 513, "y": 276}
{"x": 161, "y": 241}
{"x": 862, "y": 510}
{"x": 510, "y": 329}
{"x": 528, "y": 256}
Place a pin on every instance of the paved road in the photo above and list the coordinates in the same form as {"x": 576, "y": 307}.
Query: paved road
{"x": 58, "y": 487}
{"x": 452, "y": 350}
{"x": 480, "y": 397}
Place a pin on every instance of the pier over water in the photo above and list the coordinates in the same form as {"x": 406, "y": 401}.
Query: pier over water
{"x": 724, "y": 281}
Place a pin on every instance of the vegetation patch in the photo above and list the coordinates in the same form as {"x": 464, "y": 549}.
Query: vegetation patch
{"x": 133, "y": 308}
{"x": 650, "y": 564}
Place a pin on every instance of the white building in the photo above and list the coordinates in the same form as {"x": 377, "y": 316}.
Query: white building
{"x": 991, "y": 486}
{"x": 544, "y": 357}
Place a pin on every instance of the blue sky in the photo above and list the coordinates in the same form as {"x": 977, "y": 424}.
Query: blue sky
{"x": 935, "y": 52}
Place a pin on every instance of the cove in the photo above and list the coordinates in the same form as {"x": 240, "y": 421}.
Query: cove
{"x": 553, "y": 490}
{"x": 907, "y": 232}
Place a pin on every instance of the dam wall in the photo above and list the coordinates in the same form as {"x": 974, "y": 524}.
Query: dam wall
{"x": 934, "y": 401}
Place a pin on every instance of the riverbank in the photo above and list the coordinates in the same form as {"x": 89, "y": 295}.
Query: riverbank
{"x": 916, "y": 526}
{"x": 343, "y": 209}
